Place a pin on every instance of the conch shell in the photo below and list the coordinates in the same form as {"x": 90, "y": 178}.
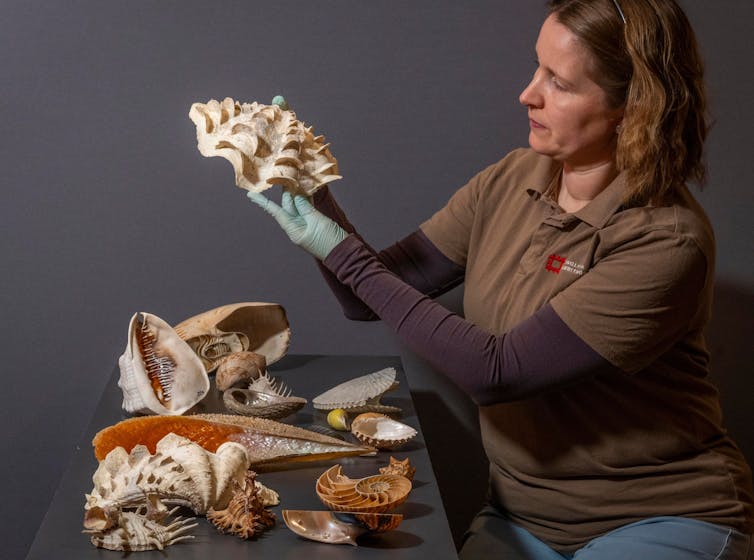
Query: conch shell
{"x": 361, "y": 394}
{"x": 265, "y": 441}
{"x": 255, "y": 326}
{"x": 179, "y": 472}
{"x": 371, "y": 494}
{"x": 265, "y": 144}
{"x": 381, "y": 431}
{"x": 159, "y": 372}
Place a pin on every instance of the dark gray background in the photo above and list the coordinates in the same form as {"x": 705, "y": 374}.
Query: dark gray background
{"x": 109, "y": 209}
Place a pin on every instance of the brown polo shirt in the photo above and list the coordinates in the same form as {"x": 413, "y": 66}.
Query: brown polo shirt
{"x": 635, "y": 284}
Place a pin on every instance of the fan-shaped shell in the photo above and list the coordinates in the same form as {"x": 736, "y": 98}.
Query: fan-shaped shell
{"x": 256, "y": 326}
{"x": 265, "y": 144}
{"x": 381, "y": 431}
{"x": 180, "y": 472}
{"x": 159, "y": 372}
{"x": 372, "y": 494}
{"x": 361, "y": 394}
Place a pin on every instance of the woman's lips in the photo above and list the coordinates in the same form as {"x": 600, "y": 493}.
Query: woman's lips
{"x": 535, "y": 124}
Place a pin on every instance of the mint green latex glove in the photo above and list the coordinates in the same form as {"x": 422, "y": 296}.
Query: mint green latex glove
{"x": 306, "y": 226}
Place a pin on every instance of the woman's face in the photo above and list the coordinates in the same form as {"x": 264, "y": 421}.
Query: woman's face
{"x": 569, "y": 117}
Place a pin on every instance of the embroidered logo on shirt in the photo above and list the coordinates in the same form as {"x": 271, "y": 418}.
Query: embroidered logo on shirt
{"x": 556, "y": 263}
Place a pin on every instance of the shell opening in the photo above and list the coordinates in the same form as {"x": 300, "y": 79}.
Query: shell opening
{"x": 160, "y": 369}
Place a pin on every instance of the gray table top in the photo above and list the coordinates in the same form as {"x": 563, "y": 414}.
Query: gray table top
{"x": 423, "y": 532}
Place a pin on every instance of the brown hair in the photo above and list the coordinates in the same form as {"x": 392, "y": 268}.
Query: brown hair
{"x": 651, "y": 64}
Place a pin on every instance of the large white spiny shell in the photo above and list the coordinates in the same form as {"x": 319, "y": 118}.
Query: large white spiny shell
{"x": 361, "y": 394}
{"x": 265, "y": 144}
{"x": 159, "y": 372}
{"x": 180, "y": 472}
{"x": 136, "y": 532}
{"x": 254, "y": 326}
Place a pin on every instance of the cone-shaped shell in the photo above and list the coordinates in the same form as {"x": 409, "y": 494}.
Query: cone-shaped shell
{"x": 361, "y": 394}
{"x": 265, "y": 441}
{"x": 255, "y": 326}
{"x": 372, "y": 494}
{"x": 159, "y": 372}
{"x": 265, "y": 144}
{"x": 381, "y": 431}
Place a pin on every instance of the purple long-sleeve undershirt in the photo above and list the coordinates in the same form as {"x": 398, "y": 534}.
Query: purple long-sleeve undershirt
{"x": 414, "y": 259}
{"x": 490, "y": 368}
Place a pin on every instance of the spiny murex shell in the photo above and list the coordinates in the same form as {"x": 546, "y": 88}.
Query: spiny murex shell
{"x": 265, "y": 397}
{"x": 372, "y": 494}
{"x": 135, "y": 531}
{"x": 159, "y": 372}
{"x": 381, "y": 431}
{"x": 265, "y": 144}
{"x": 361, "y": 394}
{"x": 256, "y": 326}
{"x": 181, "y": 472}
{"x": 245, "y": 514}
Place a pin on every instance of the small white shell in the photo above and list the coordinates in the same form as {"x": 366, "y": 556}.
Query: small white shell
{"x": 381, "y": 431}
{"x": 361, "y": 394}
{"x": 159, "y": 372}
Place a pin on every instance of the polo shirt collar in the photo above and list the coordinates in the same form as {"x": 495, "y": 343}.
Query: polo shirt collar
{"x": 598, "y": 212}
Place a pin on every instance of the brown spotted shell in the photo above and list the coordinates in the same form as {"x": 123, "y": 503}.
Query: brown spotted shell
{"x": 371, "y": 494}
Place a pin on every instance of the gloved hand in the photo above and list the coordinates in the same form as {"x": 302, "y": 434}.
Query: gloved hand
{"x": 306, "y": 226}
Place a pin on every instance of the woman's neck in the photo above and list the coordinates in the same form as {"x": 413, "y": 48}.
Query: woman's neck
{"x": 579, "y": 186}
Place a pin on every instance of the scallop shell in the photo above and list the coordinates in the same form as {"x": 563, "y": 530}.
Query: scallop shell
{"x": 371, "y": 494}
{"x": 265, "y": 144}
{"x": 361, "y": 394}
{"x": 256, "y": 326}
{"x": 159, "y": 372}
{"x": 265, "y": 397}
{"x": 381, "y": 431}
{"x": 180, "y": 472}
{"x": 137, "y": 532}
{"x": 238, "y": 366}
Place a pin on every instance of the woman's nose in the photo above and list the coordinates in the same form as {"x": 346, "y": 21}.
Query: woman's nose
{"x": 530, "y": 97}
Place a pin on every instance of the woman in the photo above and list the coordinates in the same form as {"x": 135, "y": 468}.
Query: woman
{"x": 588, "y": 270}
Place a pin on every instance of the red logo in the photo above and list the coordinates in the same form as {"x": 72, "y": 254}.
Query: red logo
{"x": 555, "y": 263}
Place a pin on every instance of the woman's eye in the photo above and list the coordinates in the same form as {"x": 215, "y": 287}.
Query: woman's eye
{"x": 558, "y": 84}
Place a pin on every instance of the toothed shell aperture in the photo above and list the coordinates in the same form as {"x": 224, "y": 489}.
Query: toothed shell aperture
{"x": 159, "y": 372}
{"x": 265, "y": 144}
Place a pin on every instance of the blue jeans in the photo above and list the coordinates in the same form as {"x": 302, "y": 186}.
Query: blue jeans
{"x": 493, "y": 535}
